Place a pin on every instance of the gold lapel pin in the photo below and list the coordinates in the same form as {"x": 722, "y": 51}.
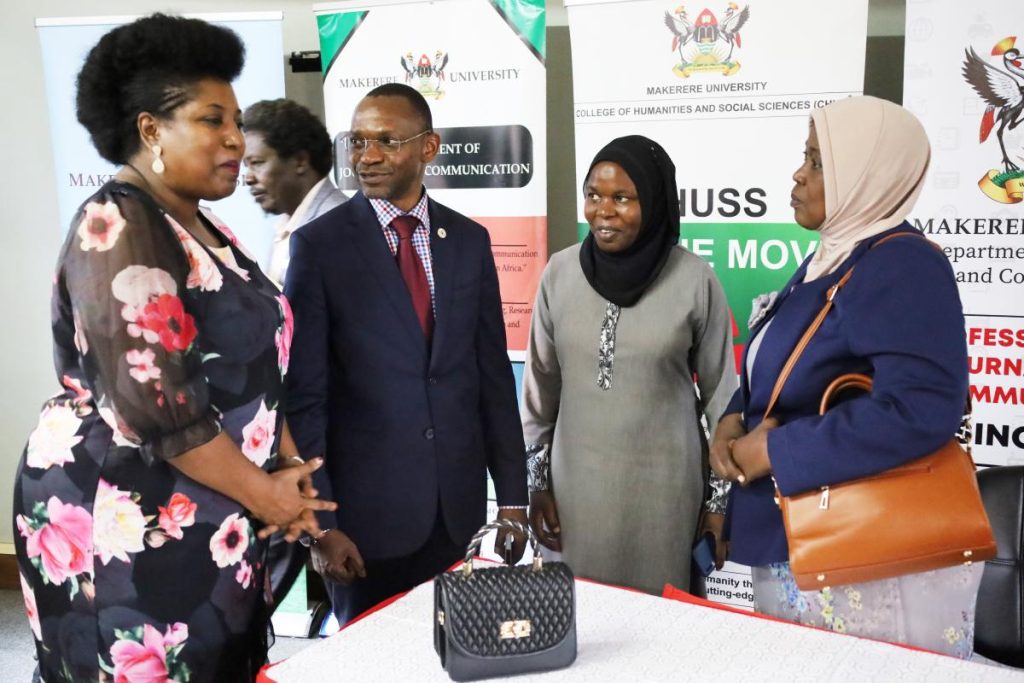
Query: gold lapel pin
{"x": 442, "y": 233}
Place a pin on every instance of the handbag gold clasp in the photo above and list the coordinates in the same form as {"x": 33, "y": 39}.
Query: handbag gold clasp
{"x": 521, "y": 628}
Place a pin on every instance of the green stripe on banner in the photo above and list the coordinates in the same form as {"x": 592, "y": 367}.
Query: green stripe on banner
{"x": 335, "y": 31}
{"x": 748, "y": 258}
{"x": 526, "y": 17}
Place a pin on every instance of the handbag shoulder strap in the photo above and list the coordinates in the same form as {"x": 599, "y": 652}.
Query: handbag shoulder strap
{"x": 820, "y": 318}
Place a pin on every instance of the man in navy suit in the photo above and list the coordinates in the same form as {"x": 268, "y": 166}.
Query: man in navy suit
{"x": 399, "y": 372}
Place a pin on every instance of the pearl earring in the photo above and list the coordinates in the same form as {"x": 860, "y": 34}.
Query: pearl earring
{"x": 158, "y": 163}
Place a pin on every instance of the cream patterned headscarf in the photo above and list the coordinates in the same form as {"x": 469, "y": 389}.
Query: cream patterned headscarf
{"x": 874, "y": 156}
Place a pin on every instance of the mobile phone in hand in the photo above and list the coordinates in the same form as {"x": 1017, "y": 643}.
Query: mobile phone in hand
{"x": 704, "y": 554}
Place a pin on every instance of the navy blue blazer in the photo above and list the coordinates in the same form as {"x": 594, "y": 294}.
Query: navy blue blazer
{"x": 403, "y": 428}
{"x": 899, "y": 319}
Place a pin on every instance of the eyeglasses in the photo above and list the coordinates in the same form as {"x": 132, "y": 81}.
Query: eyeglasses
{"x": 357, "y": 145}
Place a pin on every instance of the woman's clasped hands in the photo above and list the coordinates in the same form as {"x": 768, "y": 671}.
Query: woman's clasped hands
{"x": 740, "y": 456}
{"x": 290, "y": 503}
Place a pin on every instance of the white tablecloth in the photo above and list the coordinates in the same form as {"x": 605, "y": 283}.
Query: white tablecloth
{"x": 632, "y": 638}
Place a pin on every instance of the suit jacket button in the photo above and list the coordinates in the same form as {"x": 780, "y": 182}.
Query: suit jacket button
{"x": 428, "y": 433}
{"x": 431, "y": 381}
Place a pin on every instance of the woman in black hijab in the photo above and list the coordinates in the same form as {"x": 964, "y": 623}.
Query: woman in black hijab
{"x": 621, "y": 265}
{"x": 622, "y": 324}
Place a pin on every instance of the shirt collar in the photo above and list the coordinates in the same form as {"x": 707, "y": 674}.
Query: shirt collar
{"x": 387, "y": 212}
{"x": 298, "y": 217}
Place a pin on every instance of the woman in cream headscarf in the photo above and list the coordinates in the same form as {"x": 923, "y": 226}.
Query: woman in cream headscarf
{"x": 899, "y": 319}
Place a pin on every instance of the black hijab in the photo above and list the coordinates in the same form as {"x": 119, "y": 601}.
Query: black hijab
{"x": 623, "y": 277}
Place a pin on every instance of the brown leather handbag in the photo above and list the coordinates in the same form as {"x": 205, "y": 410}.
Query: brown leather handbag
{"x": 923, "y": 515}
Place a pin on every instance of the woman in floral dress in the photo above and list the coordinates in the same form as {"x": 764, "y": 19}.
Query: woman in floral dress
{"x": 138, "y": 495}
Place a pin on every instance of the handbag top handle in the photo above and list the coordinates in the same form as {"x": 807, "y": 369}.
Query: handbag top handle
{"x": 474, "y": 543}
{"x": 816, "y": 323}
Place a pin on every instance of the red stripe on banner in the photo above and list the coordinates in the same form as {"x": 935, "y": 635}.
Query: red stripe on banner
{"x": 520, "y": 246}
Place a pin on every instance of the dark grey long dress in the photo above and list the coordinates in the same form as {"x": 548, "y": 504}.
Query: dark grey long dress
{"x": 628, "y": 463}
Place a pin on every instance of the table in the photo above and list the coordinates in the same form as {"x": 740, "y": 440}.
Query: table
{"x": 633, "y": 638}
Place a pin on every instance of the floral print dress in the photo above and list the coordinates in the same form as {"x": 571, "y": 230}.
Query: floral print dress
{"x": 932, "y": 610}
{"x": 132, "y": 571}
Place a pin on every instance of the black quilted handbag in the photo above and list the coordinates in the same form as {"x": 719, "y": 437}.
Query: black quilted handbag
{"x": 504, "y": 620}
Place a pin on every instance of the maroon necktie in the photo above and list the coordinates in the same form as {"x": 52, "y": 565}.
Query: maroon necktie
{"x": 411, "y": 268}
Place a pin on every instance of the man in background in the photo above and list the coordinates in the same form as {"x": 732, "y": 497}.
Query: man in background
{"x": 287, "y": 159}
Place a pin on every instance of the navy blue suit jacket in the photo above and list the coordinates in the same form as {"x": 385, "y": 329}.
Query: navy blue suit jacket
{"x": 899, "y": 319}
{"x": 402, "y": 428}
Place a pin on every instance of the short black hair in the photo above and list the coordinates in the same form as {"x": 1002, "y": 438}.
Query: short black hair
{"x": 290, "y": 128}
{"x": 411, "y": 95}
{"x": 150, "y": 65}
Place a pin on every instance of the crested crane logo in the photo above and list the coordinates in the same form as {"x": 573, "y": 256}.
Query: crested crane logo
{"x": 707, "y": 44}
{"x": 425, "y": 75}
{"x": 1002, "y": 90}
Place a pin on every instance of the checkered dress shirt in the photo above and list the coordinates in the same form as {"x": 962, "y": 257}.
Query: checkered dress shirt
{"x": 387, "y": 212}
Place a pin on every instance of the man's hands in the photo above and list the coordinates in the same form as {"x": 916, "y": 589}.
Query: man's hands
{"x": 336, "y": 557}
{"x": 544, "y": 520}
{"x": 518, "y": 542}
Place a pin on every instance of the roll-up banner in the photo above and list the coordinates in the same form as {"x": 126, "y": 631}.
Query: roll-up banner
{"x": 964, "y": 78}
{"x": 726, "y": 89}
{"x": 480, "y": 65}
{"x": 81, "y": 171}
